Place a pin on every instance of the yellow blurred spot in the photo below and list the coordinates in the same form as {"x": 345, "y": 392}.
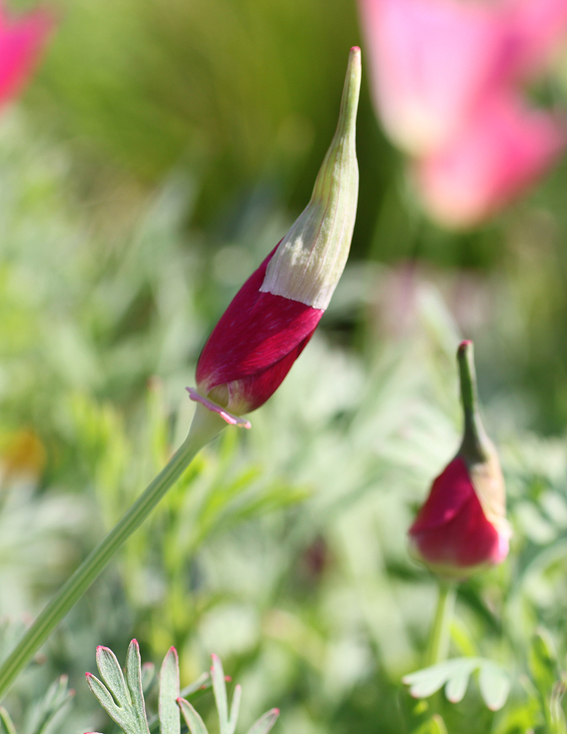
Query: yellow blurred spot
{"x": 21, "y": 454}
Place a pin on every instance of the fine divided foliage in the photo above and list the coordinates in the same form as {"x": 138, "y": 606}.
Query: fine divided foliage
{"x": 47, "y": 714}
{"x": 121, "y": 694}
{"x": 493, "y": 681}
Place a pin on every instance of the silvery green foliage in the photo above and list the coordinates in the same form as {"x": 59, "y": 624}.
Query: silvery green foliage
{"x": 37, "y": 536}
{"x": 454, "y": 675}
{"x": 46, "y": 715}
{"x": 121, "y": 694}
{"x": 227, "y": 719}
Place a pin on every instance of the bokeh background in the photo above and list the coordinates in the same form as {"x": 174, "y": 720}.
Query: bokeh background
{"x": 160, "y": 151}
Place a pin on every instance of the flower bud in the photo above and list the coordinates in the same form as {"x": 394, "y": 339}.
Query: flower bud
{"x": 461, "y": 528}
{"x": 270, "y": 320}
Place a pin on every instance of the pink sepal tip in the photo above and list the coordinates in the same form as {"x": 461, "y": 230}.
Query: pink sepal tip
{"x": 233, "y": 420}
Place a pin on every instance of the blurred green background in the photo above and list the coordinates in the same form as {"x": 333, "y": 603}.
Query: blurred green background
{"x": 160, "y": 152}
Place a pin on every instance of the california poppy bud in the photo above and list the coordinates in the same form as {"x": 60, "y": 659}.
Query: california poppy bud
{"x": 461, "y": 528}
{"x": 273, "y": 316}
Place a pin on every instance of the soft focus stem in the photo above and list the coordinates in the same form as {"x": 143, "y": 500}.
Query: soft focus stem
{"x": 205, "y": 426}
{"x": 439, "y": 636}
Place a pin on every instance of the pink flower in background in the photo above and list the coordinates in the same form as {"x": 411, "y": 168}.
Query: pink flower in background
{"x": 461, "y": 528}
{"x": 503, "y": 149}
{"x": 446, "y": 77}
{"x": 431, "y": 61}
{"x": 21, "y": 43}
{"x": 534, "y": 31}
{"x": 273, "y": 316}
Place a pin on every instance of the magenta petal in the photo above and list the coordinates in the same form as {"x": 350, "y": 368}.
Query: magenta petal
{"x": 503, "y": 149}
{"x": 452, "y": 532}
{"x": 430, "y": 62}
{"x": 21, "y": 43}
{"x": 535, "y": 29}
{"x": 254, "y": 345}
{"x": 450, "y": 492}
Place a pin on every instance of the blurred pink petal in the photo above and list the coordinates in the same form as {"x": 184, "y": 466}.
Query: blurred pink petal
{"x": 430, "y": 61}
{"x": 535, "y": 29}
{"x": 502, "y": 150}
{"x": 21, "y": 43}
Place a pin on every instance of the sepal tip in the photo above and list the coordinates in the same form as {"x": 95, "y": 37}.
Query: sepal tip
{"x": 230, "y": 418}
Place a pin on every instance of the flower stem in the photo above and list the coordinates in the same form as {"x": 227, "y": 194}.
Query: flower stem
{"x": 205, "y": 426}
{"x": 439, "y": 636}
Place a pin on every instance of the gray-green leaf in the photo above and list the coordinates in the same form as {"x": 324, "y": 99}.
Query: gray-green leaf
{"x": 52, "y": 708}
{"x": 169, "y": 716}
{"x": 122, "y": 698}
{"x": 454, "y": 674}
{"x": 7, "y": 723}
{"x": 134, "y": 679}
{"x": 265, "y": 722}
{"x": 494, "y": 684}
{"x": 219, "y": 689}
{"x": 111, "y": 674}
{"x": 194, "y": 721}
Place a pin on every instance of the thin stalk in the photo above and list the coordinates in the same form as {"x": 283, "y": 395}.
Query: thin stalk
{"x": 439, "y": 636}
{"x": 205, "y": 426}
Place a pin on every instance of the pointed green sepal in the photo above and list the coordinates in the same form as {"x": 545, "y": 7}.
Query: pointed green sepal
{"x": 310, "y": 259}
{"x": 476, "y": 446}
{"x": 477, "y": 450}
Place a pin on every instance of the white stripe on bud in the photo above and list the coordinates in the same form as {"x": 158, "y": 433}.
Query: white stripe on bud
{"x": 310, "y": 259}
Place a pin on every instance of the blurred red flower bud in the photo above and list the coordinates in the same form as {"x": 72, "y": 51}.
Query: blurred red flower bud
{"x": 461, "y": 528}
{"x": 21, "y": 43}
{"x": 273, "y": 316}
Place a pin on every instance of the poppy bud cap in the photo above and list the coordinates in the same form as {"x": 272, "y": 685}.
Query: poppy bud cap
{"x": 310, "y": 259}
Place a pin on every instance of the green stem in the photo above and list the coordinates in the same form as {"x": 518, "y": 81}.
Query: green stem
{"x": 205, "y": 426}
{"x": 439, "y": 636}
